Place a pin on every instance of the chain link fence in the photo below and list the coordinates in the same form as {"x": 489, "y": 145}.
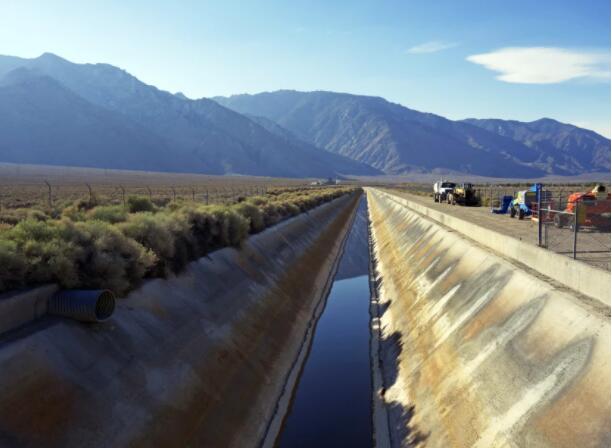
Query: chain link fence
{"x": 576, "y": 225}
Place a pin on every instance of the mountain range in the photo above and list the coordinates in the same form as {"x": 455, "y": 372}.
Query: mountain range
{"x": 399, "y": 140}
{"x": 53, "y": 111}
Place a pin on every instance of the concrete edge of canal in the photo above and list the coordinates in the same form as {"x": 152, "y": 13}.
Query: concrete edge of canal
{"x": 477, "y": 352}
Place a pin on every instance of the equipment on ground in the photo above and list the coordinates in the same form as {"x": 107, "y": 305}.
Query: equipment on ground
{"x": 442, "y": 189}
{"x": 526, "y": 201}
{"x": 592, "y": 208}
{"x": 521, "y": 204}
{"x": 503, "y": 208}
{"x": 463, "y": 194}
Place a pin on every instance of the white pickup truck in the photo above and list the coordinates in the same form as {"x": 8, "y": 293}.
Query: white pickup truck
{"x": 442, "y": 189}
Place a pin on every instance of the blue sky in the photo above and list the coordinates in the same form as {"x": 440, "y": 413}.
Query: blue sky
{"x": 507, "y": 59}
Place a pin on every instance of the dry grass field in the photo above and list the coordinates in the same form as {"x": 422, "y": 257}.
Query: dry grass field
{"x": 23, "y": 186}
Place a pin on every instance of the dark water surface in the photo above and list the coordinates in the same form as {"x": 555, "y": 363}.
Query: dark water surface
{"x": 331, "y": 406}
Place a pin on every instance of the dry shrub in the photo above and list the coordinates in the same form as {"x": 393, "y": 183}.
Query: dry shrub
{"x": 12, "y": 266}
{"x": 270, "y": 214}
{"x": 17, "y": 215}
{"x": 107, "y": 247}
{"x": 75, "y": 212}
{"x": 108, "y": 213}
{"x": 46, "y": 255}
{"x": 106, "y": 257}
{"x": 237, "y": 227}
{"x": 214, "y": 226}
{"x": 89, "y": 254}
{"x": 155, "y": 233}
{"x": 258, "y": 200}
{"x": 254, "y": 215}
{"x": 137, "y": 204}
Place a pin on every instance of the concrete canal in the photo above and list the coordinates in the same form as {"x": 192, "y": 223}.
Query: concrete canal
{"x": 471, "y": 344}
{"x": 331, "y": 405}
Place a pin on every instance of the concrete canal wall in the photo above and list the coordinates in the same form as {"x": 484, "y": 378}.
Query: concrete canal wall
{"x": 475, "y": 351}
{"x": 196, "y": 360}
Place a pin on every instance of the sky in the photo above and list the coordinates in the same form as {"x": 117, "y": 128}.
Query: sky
{"x": 516, "y": 59}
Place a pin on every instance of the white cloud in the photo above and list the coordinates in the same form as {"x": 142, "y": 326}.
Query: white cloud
{"x": 544, "y": 65}
{"x": 431, "y": 47}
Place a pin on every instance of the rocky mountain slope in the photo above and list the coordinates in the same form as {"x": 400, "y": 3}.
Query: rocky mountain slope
{"x": 167, "y": 132}
{"x": 398, "y": 140}
{"x": 560, "y": 148}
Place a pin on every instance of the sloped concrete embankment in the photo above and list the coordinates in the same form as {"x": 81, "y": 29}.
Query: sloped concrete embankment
{"x": 196, "y": 360}
{"x": 475, "y": 351}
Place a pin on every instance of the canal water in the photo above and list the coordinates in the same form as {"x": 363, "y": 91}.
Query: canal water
{"x": 331, "y": 405}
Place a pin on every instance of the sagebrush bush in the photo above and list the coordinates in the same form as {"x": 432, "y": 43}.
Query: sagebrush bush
{"x": 85, "y": 204}
{"x": 47, "y": 256}
{"x": 254, "y": 215}
{"x": 108, "y": 259}
{"x": 12, "y": 266}
{"x": 17, "y": 215}
{"x": 108, "y": 213}
{"x": 137, "y": 204}
{"x": 73, "y": 213}
{"x": 155, "y": 233}
{"x": 89, "y": 246}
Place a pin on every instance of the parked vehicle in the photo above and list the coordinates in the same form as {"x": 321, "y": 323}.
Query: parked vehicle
{"x": 593, "y": 209}
{"x": 521, "y": 204}
{"x": 526, "y": 202}
{"x": 463, "y": 194}
{"x": 442, "y": 189}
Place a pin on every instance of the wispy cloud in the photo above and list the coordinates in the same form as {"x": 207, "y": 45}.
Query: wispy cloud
{"x": 544, "y": 65}
{"x": 431, "y": 47}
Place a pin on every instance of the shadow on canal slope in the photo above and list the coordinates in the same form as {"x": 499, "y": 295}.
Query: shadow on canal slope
{"x": 402, "y": 432}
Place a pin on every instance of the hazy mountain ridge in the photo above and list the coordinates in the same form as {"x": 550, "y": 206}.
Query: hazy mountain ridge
{"x": 400, "y": 140}
{"x": 199, "y": 135}
{"x": 101, "y": 116}
{"x": 61, "y": 126}
{"x": 560, "y": 148}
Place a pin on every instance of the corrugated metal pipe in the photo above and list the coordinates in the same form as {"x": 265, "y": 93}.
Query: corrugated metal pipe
{"x": 83, "y": 305}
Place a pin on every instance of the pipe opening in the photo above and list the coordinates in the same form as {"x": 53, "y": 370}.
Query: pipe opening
{"x": 83, "y": 305}
{"x": 105, "y": 305}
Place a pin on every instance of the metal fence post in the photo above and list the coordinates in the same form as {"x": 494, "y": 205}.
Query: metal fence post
{"x": 576, "y": 227}
{"x": 50, "y": 198}
{"x": 90, "y": 194}
{"x": 539, "y": 193}
{"x": 122, "y": 195}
